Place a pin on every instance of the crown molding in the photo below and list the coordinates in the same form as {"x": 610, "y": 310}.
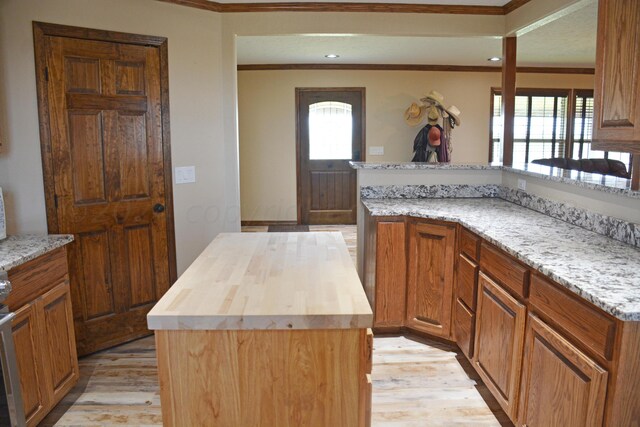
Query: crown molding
{"x": 412, "y": 67}
{"x": 349, "y": 7}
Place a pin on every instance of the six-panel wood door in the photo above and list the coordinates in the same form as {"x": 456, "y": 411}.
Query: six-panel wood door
{"x": 561, "y": 386}
{"x": 616, "y": 123}
{"x": 500, "y": 327}
{"x": 30, "y": 355}
{"x": 326, "y": 183}
{"x": 430, "y": 278}
{"x": 105, "y": 121}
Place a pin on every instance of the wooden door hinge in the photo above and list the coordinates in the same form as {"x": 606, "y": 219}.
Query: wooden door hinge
{"x": 46, "y": 74}
{"x": 55, "y": 200}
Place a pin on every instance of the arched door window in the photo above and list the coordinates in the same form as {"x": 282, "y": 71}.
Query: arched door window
{"x": 330, "y": 131}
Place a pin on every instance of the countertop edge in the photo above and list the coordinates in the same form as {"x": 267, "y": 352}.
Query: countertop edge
{"x": 54, "y": 242}
{"x": 258, "y": 323}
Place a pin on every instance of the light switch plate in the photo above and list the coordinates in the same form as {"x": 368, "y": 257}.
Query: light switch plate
{"x": 185, "y": 174}
{"x": 376, "y": 151}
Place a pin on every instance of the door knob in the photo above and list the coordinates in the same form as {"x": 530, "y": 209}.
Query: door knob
{"x": 158, "y": 208}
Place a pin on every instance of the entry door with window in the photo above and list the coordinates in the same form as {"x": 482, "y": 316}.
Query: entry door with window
{"x": 330, "y": 134}
{"x": 105, "y": 151}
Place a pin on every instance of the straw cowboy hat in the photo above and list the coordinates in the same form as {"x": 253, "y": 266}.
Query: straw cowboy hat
{"x": 455, "y": 113}
{"x": 434, "y": 97}
{"x": 414, "y": 114}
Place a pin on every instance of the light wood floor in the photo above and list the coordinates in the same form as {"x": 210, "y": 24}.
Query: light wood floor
{"x": 415, "y": 383}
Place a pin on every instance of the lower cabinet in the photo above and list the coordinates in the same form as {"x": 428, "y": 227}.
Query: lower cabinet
{"x": 30, "y": 352}
{"x": 500, "y": 328}
{"x": 561, "y": 386}
{"x": 43, "y": 333}
{"x": 430, "y": 277}
{"x": 548, "y": 356}
{"x": 45, "y": 348}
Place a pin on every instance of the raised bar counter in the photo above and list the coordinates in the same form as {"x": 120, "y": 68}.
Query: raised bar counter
{"x": 266, "y": 329}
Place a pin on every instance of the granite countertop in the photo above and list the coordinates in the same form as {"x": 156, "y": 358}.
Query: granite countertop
{"x": 267, "y": 281}
{"x": 419, "y": 165}
{"x": 592, "y": 181}
{"x": 599, "y": 269}
{"x": 16, "y": 250}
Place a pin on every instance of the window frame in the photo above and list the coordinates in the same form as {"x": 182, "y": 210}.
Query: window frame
{"x": 571, "y": 95}
{"x": 530, "y": 92}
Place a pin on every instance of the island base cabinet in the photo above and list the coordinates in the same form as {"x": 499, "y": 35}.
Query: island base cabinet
{"x": 500, "y": 328}
{"x": 561, "y": 386}
{"x": 264, "y": 378}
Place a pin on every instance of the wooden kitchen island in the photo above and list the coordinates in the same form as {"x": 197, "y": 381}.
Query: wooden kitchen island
{"x": 266, "y": 329}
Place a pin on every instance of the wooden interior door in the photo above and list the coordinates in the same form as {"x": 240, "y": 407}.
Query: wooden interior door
{"x": 105, "y": 162}
{"x": 326, "y": 182}
{"x": 430, "y": 277}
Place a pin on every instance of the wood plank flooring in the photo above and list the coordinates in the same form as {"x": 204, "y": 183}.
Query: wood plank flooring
{"x": 416, "y": 382}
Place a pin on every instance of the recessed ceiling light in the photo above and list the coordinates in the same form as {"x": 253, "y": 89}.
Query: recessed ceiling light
{"x": 332, "y": 56}
{"x": 494, "y": 59}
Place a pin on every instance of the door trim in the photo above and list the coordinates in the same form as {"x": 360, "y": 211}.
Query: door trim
{"x": 299, "y": 91}
{"x": 40, "y": 31}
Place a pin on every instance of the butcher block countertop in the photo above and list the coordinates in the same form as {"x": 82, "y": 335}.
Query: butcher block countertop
{"x": 270, "y": 281}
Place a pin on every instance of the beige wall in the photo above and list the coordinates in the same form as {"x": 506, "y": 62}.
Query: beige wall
{"x": 204, "y": 108}
{"x": 266, "y": 109}
{"x": 195, "y": 83}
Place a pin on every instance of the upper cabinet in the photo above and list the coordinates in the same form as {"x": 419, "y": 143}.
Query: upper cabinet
{"x": 617, "y": 81}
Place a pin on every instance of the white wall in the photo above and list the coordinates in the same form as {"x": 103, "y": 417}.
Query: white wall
{"x": 195, "y": 82}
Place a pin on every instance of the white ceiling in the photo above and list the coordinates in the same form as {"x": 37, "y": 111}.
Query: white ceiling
{"x": 569, "y": 41}
{"x": 443, "y": 2}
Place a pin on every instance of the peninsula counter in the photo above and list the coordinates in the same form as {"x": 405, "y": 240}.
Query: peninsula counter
{"x": 266, "y": 329}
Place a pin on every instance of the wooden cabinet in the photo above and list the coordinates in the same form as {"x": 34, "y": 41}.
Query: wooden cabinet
{"x": 561, "y": 386}
{"x": 43, "y": 333}
{"x": 60, "y": 358}
{"x": 430, "y": 277}
{"x": 466, "y": 295}
{"x": 30, "y": 355}
{"x": 391, "y": 272}
{"x": 500, "y": 327}
{"x": 617, "y": 80}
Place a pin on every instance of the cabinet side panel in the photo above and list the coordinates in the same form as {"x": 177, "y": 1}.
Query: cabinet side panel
{"x": 391, "y": 270}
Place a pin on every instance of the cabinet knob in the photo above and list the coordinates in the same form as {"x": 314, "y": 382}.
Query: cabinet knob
{"x": 158, "y": 208}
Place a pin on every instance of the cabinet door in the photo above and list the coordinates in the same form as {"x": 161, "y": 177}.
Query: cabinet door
{"x": 617, "y": 90}
{"x": 61, "y": 360}
{"x": 500, "y": 322}
{"x": 430, "y": 281}
{"x": 561, "y": 386}
{"x": 391, "y": 271}
{"x": 29, "y": 353}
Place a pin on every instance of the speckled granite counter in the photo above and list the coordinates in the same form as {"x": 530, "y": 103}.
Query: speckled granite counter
{"x": 16, "y": 250}
{"x": 600, "y": 269}
{"x": 592, "y": 181}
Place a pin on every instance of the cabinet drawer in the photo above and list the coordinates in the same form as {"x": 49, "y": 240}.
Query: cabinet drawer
{"x": 469, "y": 244}
{"x": 464, "y": 328}
{"x": 35, "y": 277}
{"x": 467, "y": 285}
{"x": 505, "y": 269}
{"x": 590, "y": 327}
